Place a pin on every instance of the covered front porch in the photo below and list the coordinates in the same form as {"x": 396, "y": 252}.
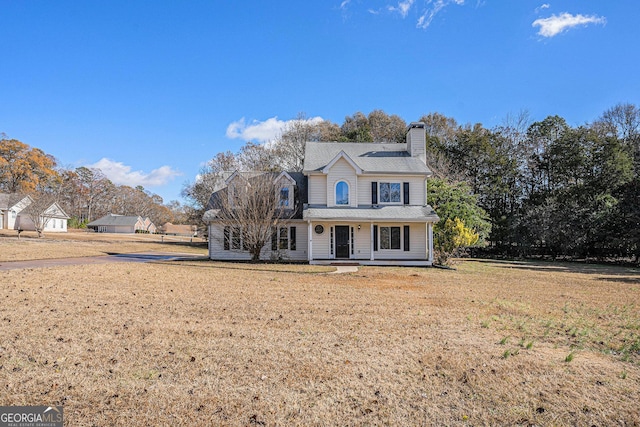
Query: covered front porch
{"x": 370, "y": 243}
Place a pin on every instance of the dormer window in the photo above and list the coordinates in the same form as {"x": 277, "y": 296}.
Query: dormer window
{"x": 284, "y": 197}
{"x": 342, "y": 193}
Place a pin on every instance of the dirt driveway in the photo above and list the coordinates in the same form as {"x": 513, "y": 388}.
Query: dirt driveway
{"x": 105, "y": 259}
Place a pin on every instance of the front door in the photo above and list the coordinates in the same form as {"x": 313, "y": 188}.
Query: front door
{"x": 342, "y": 241}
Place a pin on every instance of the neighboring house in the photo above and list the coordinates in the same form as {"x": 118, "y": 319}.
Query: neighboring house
{"x": 178, "y": 229}
{"x": 362, "y": 202}
{"x": 14, "y": 217}
{"x": 112, "y": 223}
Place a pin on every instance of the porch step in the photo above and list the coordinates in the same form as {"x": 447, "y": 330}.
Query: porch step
{"x": 346, "y": 264}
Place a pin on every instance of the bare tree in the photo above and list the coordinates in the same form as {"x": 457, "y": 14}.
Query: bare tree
{"x": 386, "y": 128}
{"x": 257, "y": 157}
{"x": 94, "y": 185}
{"x": 289, "y": 146}
{"x": 623, "y": 122}
{"x": 41, "y": 210}
{"x": 209, "y": 180}
{"x": 326, "y": 131}
{"x": 250, "y": 209}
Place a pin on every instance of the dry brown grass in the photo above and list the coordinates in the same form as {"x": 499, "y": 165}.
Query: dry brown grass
{"x": 209, "y": 343}
{"x": 82, "y": 243}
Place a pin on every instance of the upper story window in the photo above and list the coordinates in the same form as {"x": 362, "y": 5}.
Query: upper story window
{"x": 284, "y": 197}
{"x": 342, "y": 193}
{"x": 390, "y": 192}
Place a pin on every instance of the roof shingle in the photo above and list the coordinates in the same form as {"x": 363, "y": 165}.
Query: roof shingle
{"x": 370, "y": 157}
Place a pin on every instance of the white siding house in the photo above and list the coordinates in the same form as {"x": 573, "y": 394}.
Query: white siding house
{"x": 361, "y": 202}
{"x": 14, "y": 217}
{"x": 375, "y": 211}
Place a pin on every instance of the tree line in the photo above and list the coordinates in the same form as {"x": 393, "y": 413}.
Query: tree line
{"x": 522, "y": 188}
{"x": 85, "y": 194}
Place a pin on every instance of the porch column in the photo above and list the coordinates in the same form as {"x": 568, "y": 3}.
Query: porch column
{"x": 430, "y": 237}
{"x": 309, "y": 243}
{"x": 371, "y": 241}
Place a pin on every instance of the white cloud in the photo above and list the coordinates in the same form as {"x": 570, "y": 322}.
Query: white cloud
{"x": 258, "y": 131}
{"x": 432, "y": 9}
{"x": 554, "y": 25}
{"x": 542, "y": 7}
{"x": 428, "y": 9}
{"x": 403, "y": 7}
{"x": 121, "y": 174}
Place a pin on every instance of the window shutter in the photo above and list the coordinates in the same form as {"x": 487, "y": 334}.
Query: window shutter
{"x": 406, "y": 238}
{"x": 274, "y": 238}
{"x": 374, "y": 193}
{"x": 292, "y": 238}
{"x": 406, "y": 193}
{"x": 226, "y": 238}
{"x": 375, "y": 237}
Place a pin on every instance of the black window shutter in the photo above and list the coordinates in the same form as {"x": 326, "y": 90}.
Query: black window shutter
{"x": 375, "y": 237}
{"x": 274, "y": 238}
{"x": 226, "y": 238}
{"x": 292, "y": 238}
{"x": 406, "y": 238}
{"x": 374, "y": 193}
{"x": 406, "y": 193}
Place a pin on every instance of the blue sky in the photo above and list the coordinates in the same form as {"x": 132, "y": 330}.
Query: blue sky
{"x": 150, "y": 90}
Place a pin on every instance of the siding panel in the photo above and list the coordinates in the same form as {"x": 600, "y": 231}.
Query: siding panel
{"x": 217, "y": 252}
{"x": 342, "y": 171}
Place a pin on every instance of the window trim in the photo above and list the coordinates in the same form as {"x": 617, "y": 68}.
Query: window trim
{"x": 278, "y": 238}
{"x": 335, "y": 193}
{"x": 400, "y": 192}
{"x": 390, "y": 237}
{"x": 284, "y": 202}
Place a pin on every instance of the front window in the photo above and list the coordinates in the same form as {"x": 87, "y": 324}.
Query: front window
{"x": 283, "y": 238}
{"x": 342, "y": 193}
{"x": 389, "y": 237}
{"x": 236, "y": 239}
{"x": 390, "y": 192}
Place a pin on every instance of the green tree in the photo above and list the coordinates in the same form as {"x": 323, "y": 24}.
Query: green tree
{"x": 459, "y": 215}
{"x": 356, "y": 128}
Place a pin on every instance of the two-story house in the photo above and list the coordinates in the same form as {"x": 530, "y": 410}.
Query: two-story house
{"x": 362, "y": 202}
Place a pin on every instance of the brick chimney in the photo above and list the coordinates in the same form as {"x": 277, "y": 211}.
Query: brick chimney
{"x": 416, "y": 140}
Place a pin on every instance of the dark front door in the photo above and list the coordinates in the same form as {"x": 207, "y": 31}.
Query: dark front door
{"x": 342, "y": 241}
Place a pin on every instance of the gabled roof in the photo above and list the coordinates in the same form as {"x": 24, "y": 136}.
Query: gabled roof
{"x": 8, "y": 200}
{"x": 369, "y": 157}
{"x": 55, "y": 211}
{"x": 112, "y": 219}
{"x": 300, "y": 180}
{"x": 287, "y": 176}
{"x": 345, "y": 156}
